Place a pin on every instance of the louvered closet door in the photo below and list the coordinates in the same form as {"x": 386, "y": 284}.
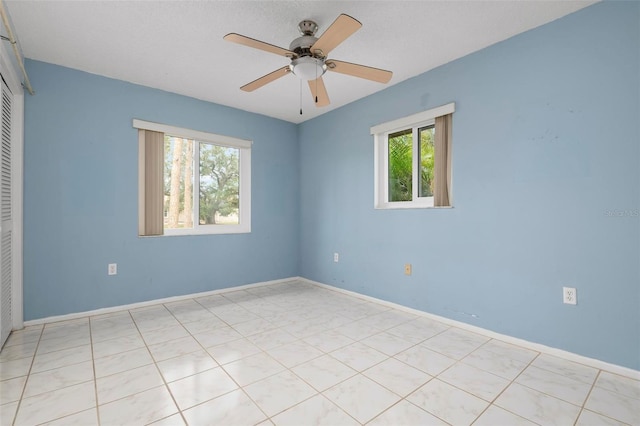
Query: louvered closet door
{"x": 6, "y": 222}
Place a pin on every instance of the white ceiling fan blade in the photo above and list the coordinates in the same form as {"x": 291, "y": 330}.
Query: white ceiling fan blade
{"x": 337, "y": 32}
{"x": 361, "y": 71}
{"x": 319, "y": 92}
{"x": 257, "y": 44}
{"x": 272, "y": 76}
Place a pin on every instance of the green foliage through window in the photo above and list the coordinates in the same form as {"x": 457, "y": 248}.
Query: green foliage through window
{"x": 427, "y": 159}
{"x": 218, "y": 187}
{"x": 219, "y": 184}
{"x": 400, "y": 149}
{"x": 400, "y": 165}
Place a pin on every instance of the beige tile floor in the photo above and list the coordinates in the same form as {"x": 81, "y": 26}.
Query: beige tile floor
{"x": 293, "y": 354}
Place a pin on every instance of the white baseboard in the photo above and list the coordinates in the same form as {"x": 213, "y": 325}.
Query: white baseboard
{"x": 569, "y": 356}
{"x": 136, "y": 305}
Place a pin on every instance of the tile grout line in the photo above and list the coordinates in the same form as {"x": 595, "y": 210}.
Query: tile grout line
{"x": 30, "y": 373}
{"x": 358, "y": 373}
{"x": 584, "y": 403}
{"x": 24, "y": 387}
{"x": 458, "y": 361}
{"x": 290, "y": 370}
{"x": 263, "y": 351}
{"x": 361, "y": 373}
{"x": 67, "y": 386}
{"x": 166, "y": 386}
{"x": 207, "y": 352}
{"x": 221, "y": 366}
{"x": 548, "y": 394}
{"x": 436, "y": 376}
{"x": 93, "y": 366}
{"x": 530, "y": 364}
{"x": 402, "y": 398}
{"x": 492, "y": 402}
{"x": 242, "y": 388}
{"x": 593, "y": 385}
{"x": 511, "y": 381}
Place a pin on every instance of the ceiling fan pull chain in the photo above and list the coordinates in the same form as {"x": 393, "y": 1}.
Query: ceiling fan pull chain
{"x": 316, "y": 85}
{"x": 300, "y": 97}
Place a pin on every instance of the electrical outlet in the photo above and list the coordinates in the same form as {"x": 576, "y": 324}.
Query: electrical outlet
{"x": 336, "y": 257}
{"x": 407, "y": 269}
{"x": 113, "y": 269}
{"x": 569, "y": 295}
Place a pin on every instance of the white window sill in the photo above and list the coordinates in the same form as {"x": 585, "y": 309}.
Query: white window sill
{"x": 408, "y": 205}
{"x": 215, "y": 230}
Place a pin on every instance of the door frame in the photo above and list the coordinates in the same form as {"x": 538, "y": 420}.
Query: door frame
{"x": 11, "y": 75}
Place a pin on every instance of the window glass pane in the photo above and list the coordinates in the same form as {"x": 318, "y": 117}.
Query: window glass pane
{"x": 400, "y": 165}
{"x": 427, "y": 159}
{"x": 178, "y": 183}
{"x": 219, "y": 185}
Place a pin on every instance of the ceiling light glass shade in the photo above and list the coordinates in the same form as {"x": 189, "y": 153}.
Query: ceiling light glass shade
{"x": 308, "y": 68}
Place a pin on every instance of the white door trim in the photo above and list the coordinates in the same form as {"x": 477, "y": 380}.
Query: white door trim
{"x": 9, "y": 70}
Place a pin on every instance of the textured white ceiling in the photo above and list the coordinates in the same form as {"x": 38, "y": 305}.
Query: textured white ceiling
{"x": 177, "y": 46}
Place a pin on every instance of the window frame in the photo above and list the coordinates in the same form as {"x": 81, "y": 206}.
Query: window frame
{"x": 381, "y": 134}
{"x": 198, "y": 137}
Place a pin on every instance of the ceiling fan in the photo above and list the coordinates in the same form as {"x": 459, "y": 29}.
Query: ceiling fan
{"x": 308, "y": 56}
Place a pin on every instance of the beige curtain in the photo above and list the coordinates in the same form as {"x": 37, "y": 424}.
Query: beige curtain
{"x": 151, "y": 196}
{"x": 442, "y": 166}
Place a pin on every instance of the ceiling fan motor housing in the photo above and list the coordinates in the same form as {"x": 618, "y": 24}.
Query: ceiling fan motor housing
{"x": 307, "y": 65}
{"x": 302, "y": 45}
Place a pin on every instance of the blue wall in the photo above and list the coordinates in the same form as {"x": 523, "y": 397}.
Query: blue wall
{"x": 81, "y": 195}
{"x": 546, "y": 184}
{"x": 546, "y": 143}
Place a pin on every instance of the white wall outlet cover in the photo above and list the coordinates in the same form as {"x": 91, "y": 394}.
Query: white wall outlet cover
{"x": 569, "y": 295}
{"x": 112, "y": 269}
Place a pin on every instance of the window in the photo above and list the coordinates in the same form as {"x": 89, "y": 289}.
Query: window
{"x": 413, "y": 160}
{"x": 192, "y": 182}
{"x": 400, "y": 163}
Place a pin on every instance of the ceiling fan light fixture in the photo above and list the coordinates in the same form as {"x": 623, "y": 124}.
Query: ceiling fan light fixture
{"x": 308, "y": 68}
